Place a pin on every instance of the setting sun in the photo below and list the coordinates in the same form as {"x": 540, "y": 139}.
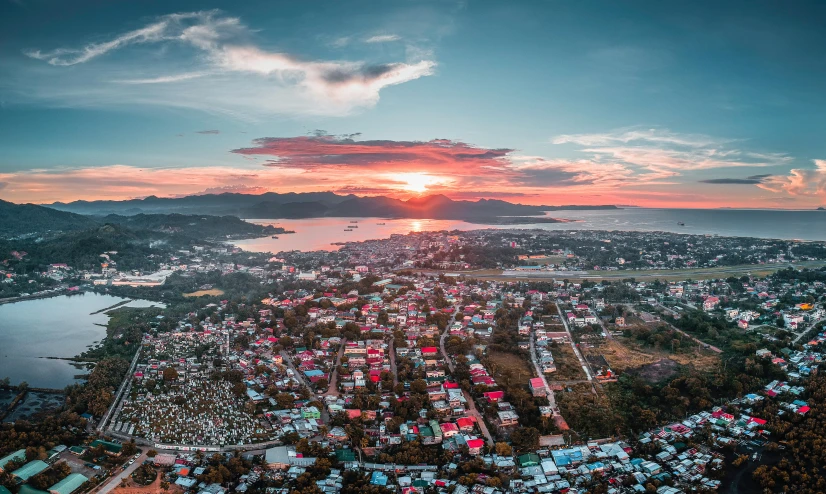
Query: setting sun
{"x": 416, "y": 182}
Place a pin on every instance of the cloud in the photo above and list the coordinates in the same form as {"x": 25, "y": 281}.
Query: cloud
{"x": 225, "y": 72}
{"x": 659, "y": 154}
{"x": 450, "y": 166}
{"x": 208, "y": 132}
{"x": 382, "y": 38}
{"x": 752, "y": 180}
{"x": 800, "y": 181}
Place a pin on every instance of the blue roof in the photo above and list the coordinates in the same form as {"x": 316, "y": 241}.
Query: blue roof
{"x": 378, "y": 478}
{"x": 313, "y": 373}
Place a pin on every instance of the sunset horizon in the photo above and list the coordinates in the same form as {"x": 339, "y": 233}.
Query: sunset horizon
{"x": 577, "y": 106}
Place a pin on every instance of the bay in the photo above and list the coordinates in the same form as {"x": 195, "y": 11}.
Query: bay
{"x": 322, "y": 233}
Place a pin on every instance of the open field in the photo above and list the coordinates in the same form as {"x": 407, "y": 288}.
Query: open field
{"x": 516, "y": 366}
{"x": 200, "y": 293}
{"x": 568, "y": 367}
{"x": 623, "y": 354}
{"x": 662, "y": 274}
{"x": 153, "y": 488}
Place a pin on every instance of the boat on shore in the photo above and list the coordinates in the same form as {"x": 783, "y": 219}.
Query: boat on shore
{"x": 681, "y": 223}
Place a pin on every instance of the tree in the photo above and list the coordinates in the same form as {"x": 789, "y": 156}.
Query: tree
{"x": 525, "y": 439}
{"x": 503, "y": 449}
{"x": 170, "y": 374}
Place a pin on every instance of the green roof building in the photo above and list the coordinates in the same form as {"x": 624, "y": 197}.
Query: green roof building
{"x": 3, "y": 490}
{"x": 345, "y": 455}
{"x": 69, "y": 484}
{"x": 30, "y": 469}
{"x": 529, "y": 460}
{"x": 110, "y": 447}
{"x": 19, "y": 455}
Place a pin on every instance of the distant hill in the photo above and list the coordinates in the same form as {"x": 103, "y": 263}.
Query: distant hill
{"x": 314, "y": 205}
{"x": 26, "y": 219}
{"x": 21, "y": 220}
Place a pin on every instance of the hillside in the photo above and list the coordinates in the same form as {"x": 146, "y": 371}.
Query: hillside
{"x": 30, "y": 219}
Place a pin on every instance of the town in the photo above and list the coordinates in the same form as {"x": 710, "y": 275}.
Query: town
{"x": 408, "y": 364}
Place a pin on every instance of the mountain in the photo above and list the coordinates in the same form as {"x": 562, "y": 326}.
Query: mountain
{"x": 26, "y": 219}
{"x": 21, "y": 220}
{"x": 272, "y": 205}
{"x": 213, "y": 204}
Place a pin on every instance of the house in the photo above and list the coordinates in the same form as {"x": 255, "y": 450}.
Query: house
{"x": 475, "y": 446}
{"x": 537, "y": 386}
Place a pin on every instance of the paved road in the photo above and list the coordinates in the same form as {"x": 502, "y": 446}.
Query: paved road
{"x": 391, "y": 348}
{"x": 115, "y": 479}
{"x": 471, "y": 410}
{"x": 127, "y": 381}
{"x": 332, "y": 389}
{"x": 801, "y": 335}
{"x": 578, "y": 354}
{"x": 549, "y": 392}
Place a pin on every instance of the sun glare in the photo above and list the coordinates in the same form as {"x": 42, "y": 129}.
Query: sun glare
{"x": 416, "y": 182}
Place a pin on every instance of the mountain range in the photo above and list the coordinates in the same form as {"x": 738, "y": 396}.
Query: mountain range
{"x": 272, "y": 205}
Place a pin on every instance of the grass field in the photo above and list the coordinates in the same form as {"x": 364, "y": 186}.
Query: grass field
{"x": 509, "y": 369}
{"x": 623, "y": 354}
{"x": 200, "y": 293}
{"x": 568, "y": 367}
{"x": 661, "y": 274}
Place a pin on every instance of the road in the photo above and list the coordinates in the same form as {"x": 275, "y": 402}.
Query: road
{"x": 391, "y": 348}
{"x": 115, "y": 479}
{"x": 127, "y": 380}
{"x": 332, "y": 389}
{"x": 325, "y": 416}
{"x": 549, "y": 392}
{"x": 471, "y": 410}
{"x": 801, "y": 335}
{"x": 578, "y": 354}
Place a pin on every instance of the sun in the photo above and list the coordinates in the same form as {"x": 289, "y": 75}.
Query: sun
{"x": 416, "y": 182}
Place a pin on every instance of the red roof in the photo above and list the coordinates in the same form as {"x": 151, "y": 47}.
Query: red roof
{"x": 475, "y": 443}
{"x": 536, "y": 382}
{"x": 429, "y": 349}
{"x": 802, "y": 410}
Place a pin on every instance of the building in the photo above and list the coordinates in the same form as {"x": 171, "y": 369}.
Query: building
{"x": 30, "y": 469}
{"x": 284, "y": 457}
{"x": 537, "y": 386}
{"x": 19, "y": 455}
{"x": 69, "y": 484}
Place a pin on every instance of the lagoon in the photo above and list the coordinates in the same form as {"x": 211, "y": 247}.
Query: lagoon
{"x": 63, "y": 327}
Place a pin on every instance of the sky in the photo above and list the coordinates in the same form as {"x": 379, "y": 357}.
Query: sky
{"x": 647, "y": 103}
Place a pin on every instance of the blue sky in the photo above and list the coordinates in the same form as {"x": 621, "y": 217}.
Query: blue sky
{"x": 651, "y": 103}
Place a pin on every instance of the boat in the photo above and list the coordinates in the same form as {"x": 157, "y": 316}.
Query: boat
{"x": 354, "y": 221}
{"x": 381, "y": 224}
{"x": 354, "y": 226}
{"x": 274, "y": 236}
{"x": 681, "y": 223}
{"x": 348, "y": 230}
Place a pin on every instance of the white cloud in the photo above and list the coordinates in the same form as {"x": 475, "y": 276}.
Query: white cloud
{"x": 226, "y": 73}
{"x": 658, "y": 154}
{"x": 383, "y": 38}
